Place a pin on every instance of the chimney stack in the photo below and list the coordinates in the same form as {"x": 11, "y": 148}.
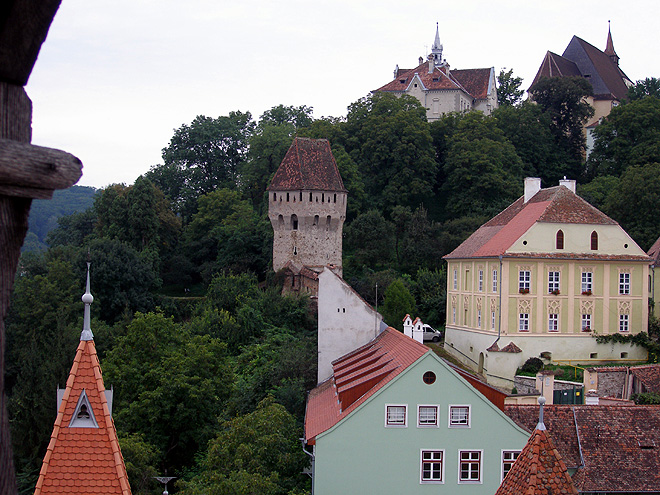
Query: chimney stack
{"x": 431, "y": 64}
{"x": 570, "y": 184}
{"x": 532, "y": 186}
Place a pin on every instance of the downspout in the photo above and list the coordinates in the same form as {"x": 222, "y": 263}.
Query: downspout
{"x": 577, "y": 432}
{"x": 499, "y": 311}
{"x": 311, "y": 461}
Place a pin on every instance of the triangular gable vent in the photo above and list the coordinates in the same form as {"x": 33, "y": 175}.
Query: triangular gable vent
{"x": 83, "y": 415}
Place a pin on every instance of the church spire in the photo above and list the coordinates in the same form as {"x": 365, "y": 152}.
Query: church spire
{"x": 609, "y": 47}
{"x": 88, "y": 299}
{"x": 436, "y": 49}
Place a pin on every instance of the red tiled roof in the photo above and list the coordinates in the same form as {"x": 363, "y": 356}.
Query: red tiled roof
{"x": 357, "y": 376}
{"x": 539, "y": 470}
{"x": 649, "y": 375}
{"x": 654, "y": 252}
{"x": 474, "y": 82}
{"x": 619, "y": 445}
{"x": 552, "y": 205}
{"x": 83, "y": 460}
{"x": 308, "y": 165}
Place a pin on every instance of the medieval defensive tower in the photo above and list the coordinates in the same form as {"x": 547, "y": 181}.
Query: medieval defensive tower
{"x": 307, "y": 207}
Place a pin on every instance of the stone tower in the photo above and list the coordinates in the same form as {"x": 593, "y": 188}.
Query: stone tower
{"x": 307, "y": 207}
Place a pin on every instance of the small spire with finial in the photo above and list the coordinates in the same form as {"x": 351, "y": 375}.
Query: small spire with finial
{"x": 541, "y": 425}
{"x": 88, "y": 299}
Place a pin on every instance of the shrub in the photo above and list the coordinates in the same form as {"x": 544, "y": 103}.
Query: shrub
{"x": 532, "y": 365}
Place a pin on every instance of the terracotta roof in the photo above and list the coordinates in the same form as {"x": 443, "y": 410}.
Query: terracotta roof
{"x": 83, "y": 460}
{"x": 474, "y": 82}
{"x": 618, "y": 449}
{"x": 654, "y": 252}
{"x": 552, "y": 205}
{"x": 308, "y": 165}
{"x": 539, "y": 470}
{"x": 357, "y": 376}
{"x": 649, "y": 375}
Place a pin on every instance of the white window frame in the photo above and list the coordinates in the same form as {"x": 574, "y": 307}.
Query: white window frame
{"x": 431, "y": 481}
{"x": 481, "y": 280}
{"x": 494, "y": 280}
{"x": 389, "y": 424}
{"x": 524, "y": 280}
{"x": 508, "y": 457}
{"x": 553, "y": 322}
{"x": 624, "y": 323}
{"x": 453, "y": 314}
{"x": 586, "y": 322}
{"x": 523, "y": 322}
{"x": 457, "y": 424}
{"x": 419, "y": 416}
{"x": 624, "y": 283}
{"x": 587, "y": 281}
{"x": 455, "y": 279}
{"x": 492, "y": 320}
{"x": 553, "y": 280}
{"x": 479, "y": 462}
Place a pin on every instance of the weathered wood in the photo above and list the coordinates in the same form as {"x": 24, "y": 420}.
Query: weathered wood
{"x": 24, "y": 25}
{"x": 16, "y": 113}
{"x": 26, "y": 165}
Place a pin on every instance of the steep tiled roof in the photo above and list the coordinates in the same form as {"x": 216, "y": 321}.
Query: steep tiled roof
{"x": 654, "y": 252}
{"x": 357, "y": 376}
{"x": 83, "y": 460}
{"x": 618, "y": 447}
{"x": 552, "y": 205}
{"x": 473, "y": 81}
{"x": 649, "y": 375}
{"x": 539, "y": 470}
{"x": 554, "y": 65}
{"x": 308, "y": 165}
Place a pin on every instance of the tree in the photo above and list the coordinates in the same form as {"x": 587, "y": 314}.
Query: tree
{"x": 370, "y": 239}
{"x": 598, "y": 190}
{"x": 564, "y": 100}
{"x": 508, "y": 88}
{"x": 255, "y": 453}
{"x": 482, "y": 168}
{"x": 298, "y": 117}
{"x": 628, "y": 136}
{"x": 430, "y": 293}
{"x": 73, "y": 230}
{"x": 397, "y": 303}
{"x": 634, "y": 203}
{"x": 643, "y": 88}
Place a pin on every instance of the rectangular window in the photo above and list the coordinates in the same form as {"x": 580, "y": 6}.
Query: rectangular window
{"x": 523, "y": 322}
{"x": 553, "y": 282}
{"x": 494, "y": 280}
{"x": 586, "y": 323}
{"x": 524, "y": 280}
{"x": 432, "y": 469}
{"x": 470, "y": 466}
{"x": 492, "y": 320}
{"x": 553, "y": 322}
{"x": 481, "y": 280}
{"x": 624, "y": 283}
{"x": 453, "y": 314}
{"x": 587, "y": 277}
{"x": 508, "y": 458}
{"x": 455, "y": 279}
{"x": 623, "y": 323}
{"x": 396, "y": 415}
{"x": 427, "y": 416}
{"x": 478, "y": 318}
{"x": 459, "y": 416}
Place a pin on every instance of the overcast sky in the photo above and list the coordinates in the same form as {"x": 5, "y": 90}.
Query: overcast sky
{"x": 116, "y": 77}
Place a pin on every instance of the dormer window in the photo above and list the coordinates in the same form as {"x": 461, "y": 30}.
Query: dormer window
{"x": 560, "y": 240}
{"x": 594, "y": 241}
{"x": 83, "y": 415}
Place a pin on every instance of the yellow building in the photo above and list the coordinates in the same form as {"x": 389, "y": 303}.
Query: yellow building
{"x": 541, "y": 279}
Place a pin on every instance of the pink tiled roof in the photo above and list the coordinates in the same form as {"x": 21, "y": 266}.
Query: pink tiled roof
{"x": 618, "y": 449}
{"x": 649, "y": 375}
{"x": 83, "y": 460}
{"x": 473, "y": 81}
{"x": 552, "y": 205}
{"x": 309, "y": 165}
{"x": 357, "y": 376}
{"x": 654, "y": 252}
{"x": 539, "y": 470}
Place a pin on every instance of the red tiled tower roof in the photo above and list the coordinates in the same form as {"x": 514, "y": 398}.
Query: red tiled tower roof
{"x": 357, "y": 376}
{"x": 308, "y": 165}
{"x": 83, "y": 460}
{"x": 539, "y": 470}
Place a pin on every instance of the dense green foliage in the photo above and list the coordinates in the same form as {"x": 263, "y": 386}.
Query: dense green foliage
{"x": 210, "y": 363}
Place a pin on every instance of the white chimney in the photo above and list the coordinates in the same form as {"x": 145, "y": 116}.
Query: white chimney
{"x": 532, "y": 186}
{"x": 396, "y": 71}
{"x": 418, "y": 331}
{"x": 570, "y": 184}
{"x": 431, "y": 64}
{"x": 408, "y": 326}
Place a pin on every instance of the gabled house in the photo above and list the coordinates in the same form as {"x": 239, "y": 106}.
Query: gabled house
{"x": 83, "y": 455}
{"x": 621, "y": 382}
{"x": 395, "y": 418}
{"x": 540, "y": 279}
{"x": 606, "y": 449}
{"x": 443, "y": 90}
